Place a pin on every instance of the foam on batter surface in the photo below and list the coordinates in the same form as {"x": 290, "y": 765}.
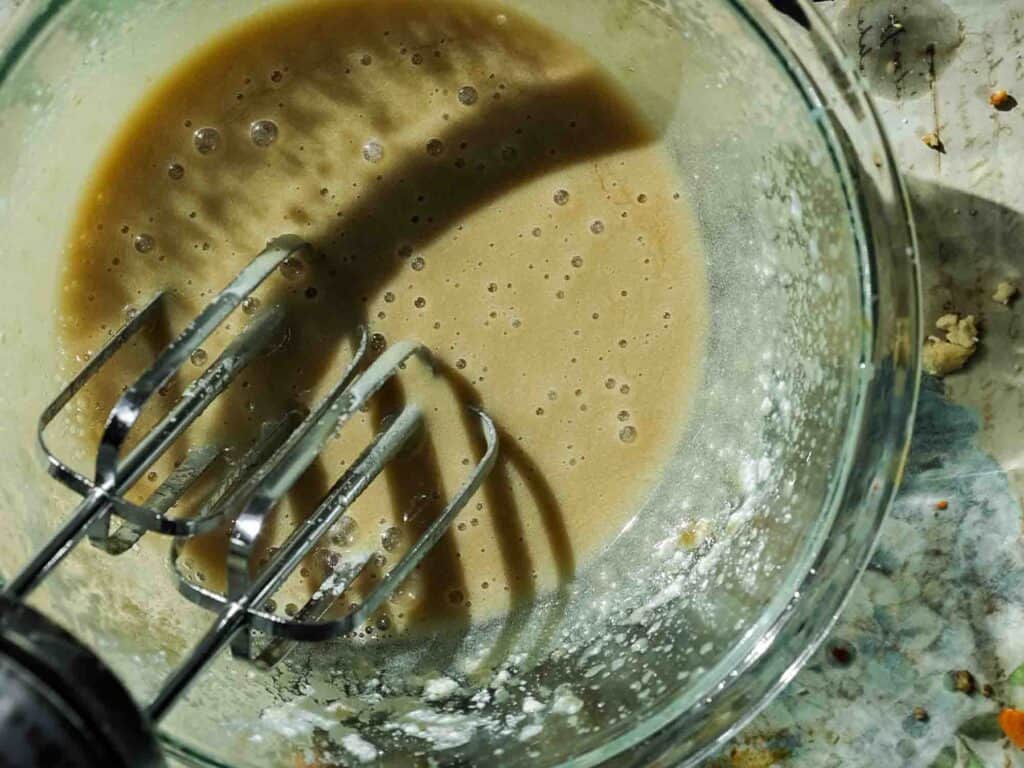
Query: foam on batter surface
{"x": 467, "y": 179}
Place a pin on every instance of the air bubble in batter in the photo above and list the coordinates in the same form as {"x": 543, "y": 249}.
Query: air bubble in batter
{"x": 373, "y": 151}
{"x": 343, "y": 532}
{"x": 263, "y": 133}
{"x": 144, "y": 243}
{"x": 206, "y": 140}
{"x": 292, "y": 268}
{"x": 389, "y": 538}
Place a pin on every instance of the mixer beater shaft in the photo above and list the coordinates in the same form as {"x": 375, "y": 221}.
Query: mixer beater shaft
{"x": 247, "y": 492}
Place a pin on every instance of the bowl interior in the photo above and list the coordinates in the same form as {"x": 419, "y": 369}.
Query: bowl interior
{"x": 648, "y": 631}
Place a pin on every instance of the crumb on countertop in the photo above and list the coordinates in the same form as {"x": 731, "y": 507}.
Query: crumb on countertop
{"x": 694, "y": 534}
{"x": 932, "y": 141}
{"x": 961, "y": 331}
{"x": 1005, "y": 293}
{"x": 1002, "y": 100}
{"x": 964, "y": 682}
{"x": 1012, "y": 723}
{"x": 943, "y": 356}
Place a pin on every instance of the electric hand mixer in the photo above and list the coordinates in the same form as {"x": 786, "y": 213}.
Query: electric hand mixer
{"x": 59, "y": 705}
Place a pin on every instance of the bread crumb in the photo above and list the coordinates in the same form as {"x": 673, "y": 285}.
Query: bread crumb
{"x": 1005, "y": 292}
{"x": 943, "y": 356}
{"x": 932, "y": 141}
{"x": 1001, "y": 100}
{"x": 963, "y": 333}
{"x": 964, "y": 682}
{"x": 694, "y": 534}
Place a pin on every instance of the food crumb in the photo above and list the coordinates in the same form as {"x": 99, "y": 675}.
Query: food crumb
{"x": 921, "y": 714}
{"x": 942, "y": 504}
{"x": 943, "y": 356}
{"x": 754, "y": 755}
{"x": 694, "y": 534}
{"x": 841, "y": 654}
{"x": 932, "y": 141}
{"x": 964, "y": 682}
{"x": 1005, "y": 293}
{"x": 988, "y": 691}
{"x": 1002, "y": 101}
{"x": 1012, "y": 723}
{"x": 960, "y": 331}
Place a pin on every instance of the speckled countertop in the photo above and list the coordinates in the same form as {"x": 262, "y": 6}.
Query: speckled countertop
{"x": 945, "y": 590}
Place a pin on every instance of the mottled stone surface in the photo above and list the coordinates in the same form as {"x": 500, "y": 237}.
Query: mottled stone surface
{"x": 945, "y": 591}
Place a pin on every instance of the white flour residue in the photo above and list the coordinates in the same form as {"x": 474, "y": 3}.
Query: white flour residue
{"x": 439, "y": 689}
{"x": 530, "y": 732}
{"x": 443, "y": 730}
{"x": 359, "y": 748}
{"x": 291, "y": 720}
{"x": 565, "y": 702}
{"x": 531, "y": 706}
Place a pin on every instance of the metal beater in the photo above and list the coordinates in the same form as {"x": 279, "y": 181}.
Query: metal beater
{"x": 59, "y": 705}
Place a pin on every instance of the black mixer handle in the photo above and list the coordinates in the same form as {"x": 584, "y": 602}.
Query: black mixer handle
{"x": 60, "y": 706}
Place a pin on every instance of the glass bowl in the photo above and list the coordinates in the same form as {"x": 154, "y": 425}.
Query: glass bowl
{"x": 733, "y": 570}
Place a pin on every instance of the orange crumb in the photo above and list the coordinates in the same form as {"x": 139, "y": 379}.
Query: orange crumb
{"x": 1002, "y": 101}
{"x": 942, "y": 504}
{"x": 1012, "y": 723}
{"x": 932, "y": 141}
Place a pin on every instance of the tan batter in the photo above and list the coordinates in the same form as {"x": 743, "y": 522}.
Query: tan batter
{"x": 468, "y": 180}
